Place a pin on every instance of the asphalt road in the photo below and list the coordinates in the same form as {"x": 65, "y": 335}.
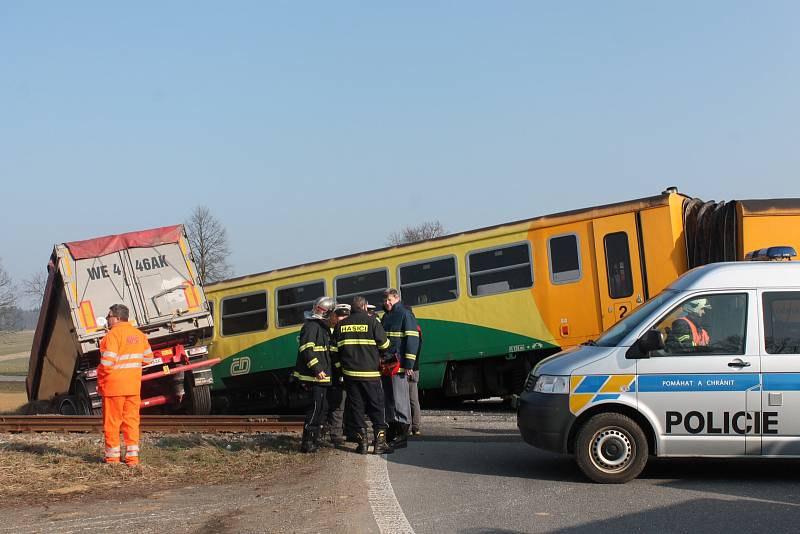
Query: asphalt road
{"x": 471, "y": 473}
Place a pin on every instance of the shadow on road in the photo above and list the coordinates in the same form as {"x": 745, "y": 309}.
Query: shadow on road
{"x": 707, "y": 515}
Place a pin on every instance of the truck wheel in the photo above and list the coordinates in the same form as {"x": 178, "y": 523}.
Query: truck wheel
{"x": 84, "y": 402}
{"x": 199, "y": 400}
{"x": 611, "y": 448}
{"x": 67, "y": 405}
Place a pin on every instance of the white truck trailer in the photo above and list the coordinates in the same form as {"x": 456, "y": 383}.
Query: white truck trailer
{"x": 153, "y": 273}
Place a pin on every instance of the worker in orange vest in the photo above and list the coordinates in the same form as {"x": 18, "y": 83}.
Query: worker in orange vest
{"x": 123, "y": 351}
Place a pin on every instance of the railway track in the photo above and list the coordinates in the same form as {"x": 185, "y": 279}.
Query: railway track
{"x": 166, "y": 424}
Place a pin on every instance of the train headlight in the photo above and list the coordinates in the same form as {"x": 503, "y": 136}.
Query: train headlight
{"x": 552, "y": 384}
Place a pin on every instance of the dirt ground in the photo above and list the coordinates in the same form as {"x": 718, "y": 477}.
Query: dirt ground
{"x": 212, "y": 483}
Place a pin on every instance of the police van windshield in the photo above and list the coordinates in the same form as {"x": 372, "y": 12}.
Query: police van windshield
{"x": 612, "y": 336}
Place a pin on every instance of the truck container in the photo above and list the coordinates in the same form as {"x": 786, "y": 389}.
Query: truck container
{"x": 153, "y": 273}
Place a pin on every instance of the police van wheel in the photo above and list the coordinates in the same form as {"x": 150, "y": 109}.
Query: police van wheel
{"x": 611, "y": 448}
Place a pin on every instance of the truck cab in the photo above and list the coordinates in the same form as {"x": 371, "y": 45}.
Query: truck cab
{"x": 708, "y": 368}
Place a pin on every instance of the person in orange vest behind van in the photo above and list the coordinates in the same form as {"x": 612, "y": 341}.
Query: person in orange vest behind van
{"x": 687, "y": 331}
{"x": 123, "y": 351}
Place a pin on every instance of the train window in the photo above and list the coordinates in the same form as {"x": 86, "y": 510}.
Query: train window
{"x": 500, "y": 269}
{"x": 368, "y": 284}
{"x": 782, "y": 322}
{"x": 428, "y": 281}
{"x": 565, "y": 259}
{"x": 618, "y": 265}
{"x": 244, "y": 313}
{"x": 294, "y": 301}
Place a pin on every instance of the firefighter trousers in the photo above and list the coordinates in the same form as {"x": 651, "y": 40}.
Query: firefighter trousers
{"x": 365, "y": 395}
{"x": 316, "y": 413}
{"x": 121, "y": 413}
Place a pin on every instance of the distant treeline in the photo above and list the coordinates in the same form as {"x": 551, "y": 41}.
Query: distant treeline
{"x": 19, "y": 319}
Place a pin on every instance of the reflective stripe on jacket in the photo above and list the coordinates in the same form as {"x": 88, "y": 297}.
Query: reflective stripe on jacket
{"x": 313, "y": 352}
{"x": 699, "y": 337}
{"x": 401, "y": 327}
{"x": 123, "y": 351}
{"x": 360, "y": 341}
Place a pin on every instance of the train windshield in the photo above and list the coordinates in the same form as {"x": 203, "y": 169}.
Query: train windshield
{"x": 615, "y": 334}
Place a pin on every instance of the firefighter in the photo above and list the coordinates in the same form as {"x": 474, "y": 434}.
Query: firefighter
{"x": 401, "y": 328}
{"x": 336, "y": 394}
{"x": 361, "y": 341}
{"x": 687, "y": 331}
{"x": 123, "y": 351}
{"x": 313, "y": 369}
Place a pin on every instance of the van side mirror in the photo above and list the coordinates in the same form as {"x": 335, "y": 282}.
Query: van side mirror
{"x": 650, "y": 341}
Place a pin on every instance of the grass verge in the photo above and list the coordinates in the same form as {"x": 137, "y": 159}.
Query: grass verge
{"x": 42, "y": 468}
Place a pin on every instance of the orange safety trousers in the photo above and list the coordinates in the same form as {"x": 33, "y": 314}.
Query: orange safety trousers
{"x": 121, "y": 412}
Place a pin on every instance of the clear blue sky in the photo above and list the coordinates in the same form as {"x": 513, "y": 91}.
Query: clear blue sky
{"x": 282, "y": 115}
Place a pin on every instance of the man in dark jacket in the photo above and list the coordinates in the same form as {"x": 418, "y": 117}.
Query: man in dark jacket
{"x": 314, "y": 369}
{"x": 336, "y": 395}
{"x": 401, "y": 327}
{"x": 361, "y": 341}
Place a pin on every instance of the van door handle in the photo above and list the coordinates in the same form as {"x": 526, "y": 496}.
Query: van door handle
{"x": 738, "y": 363}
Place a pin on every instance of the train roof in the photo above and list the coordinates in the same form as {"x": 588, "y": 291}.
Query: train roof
{"x": 534, "y": 222}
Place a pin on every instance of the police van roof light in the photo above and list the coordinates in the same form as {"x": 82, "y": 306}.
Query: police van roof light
{"x": 772, "y": 254}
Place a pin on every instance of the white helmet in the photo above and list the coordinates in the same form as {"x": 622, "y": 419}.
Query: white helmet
{"x": 697, "y": 306}
{"x": 322, "y": 308}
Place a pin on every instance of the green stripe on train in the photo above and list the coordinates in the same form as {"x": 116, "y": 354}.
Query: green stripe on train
{"x": 443, "y": 341}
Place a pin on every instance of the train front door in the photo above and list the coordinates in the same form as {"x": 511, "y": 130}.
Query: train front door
{"x": 619, "y": 269}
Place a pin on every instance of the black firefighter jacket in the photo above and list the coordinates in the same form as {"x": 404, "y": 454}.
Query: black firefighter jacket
{"x": 313, "y": 353}
{"x": 360, "y": 341}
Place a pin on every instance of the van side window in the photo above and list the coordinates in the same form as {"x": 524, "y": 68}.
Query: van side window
{"x": 706, "y": 325}
{"x": 368, "y": 284}
{"x": 428, "y": 281}
{"x": 500, "y": 269}
{"x": 782, "y": 322}
{"x": 565, "y": 259}
{"x": 294, "y": 301}
{"x": 618, "y": 265}
{"x": 244, "y": 313}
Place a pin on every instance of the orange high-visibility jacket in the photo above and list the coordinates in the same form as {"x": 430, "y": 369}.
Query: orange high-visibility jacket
{"x": 122, "y": 352}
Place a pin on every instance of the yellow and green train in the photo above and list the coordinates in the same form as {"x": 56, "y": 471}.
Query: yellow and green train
{"x": 491, "y": 302}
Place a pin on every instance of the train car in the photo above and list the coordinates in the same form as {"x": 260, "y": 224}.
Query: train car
{"x": 493, "y": 301}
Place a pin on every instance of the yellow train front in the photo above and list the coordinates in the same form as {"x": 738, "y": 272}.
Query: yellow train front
{"x": 494, "y": 301}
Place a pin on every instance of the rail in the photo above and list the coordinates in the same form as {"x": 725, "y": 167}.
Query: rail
{"x": 166, "y": 424}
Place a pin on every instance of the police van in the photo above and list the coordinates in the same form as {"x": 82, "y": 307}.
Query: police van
{"x": 709, "y": 367}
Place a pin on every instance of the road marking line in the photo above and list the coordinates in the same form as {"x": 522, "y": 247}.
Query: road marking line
{"x": 385, "y": 509}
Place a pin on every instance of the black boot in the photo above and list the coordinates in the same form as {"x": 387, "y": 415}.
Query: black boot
{"x": 379, "y": 445}
{"x": 363, "y": 442}
{"x": 391, "y": 432}
{"x": 401, "y": 437}
{"x": 337, "y": 440}
{"x": 316, "y": 436}
{"x": 307, "y": 443}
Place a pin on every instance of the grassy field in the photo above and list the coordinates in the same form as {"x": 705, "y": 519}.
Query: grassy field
{"x": 16, "y": 342}
{"x": 45, "y": 467}
{"x": 12, "y": 397}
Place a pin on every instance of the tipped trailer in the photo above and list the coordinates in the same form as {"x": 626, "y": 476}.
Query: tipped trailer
{"x": 152, "y": 272}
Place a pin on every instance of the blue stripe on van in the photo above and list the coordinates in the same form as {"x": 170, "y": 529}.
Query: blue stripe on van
{"x": 781, "y": 381}
{"x": 605, "y": 396}
{"x": 705, "y": 382}
{"x": 591, "y": 384}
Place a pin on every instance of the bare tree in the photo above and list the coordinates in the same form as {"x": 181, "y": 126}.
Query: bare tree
{"x": 209, "y": 242}
{"x": 419, "y": 232}
{"x": 9, "y": 314}
{"x": 33, "y": 288}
